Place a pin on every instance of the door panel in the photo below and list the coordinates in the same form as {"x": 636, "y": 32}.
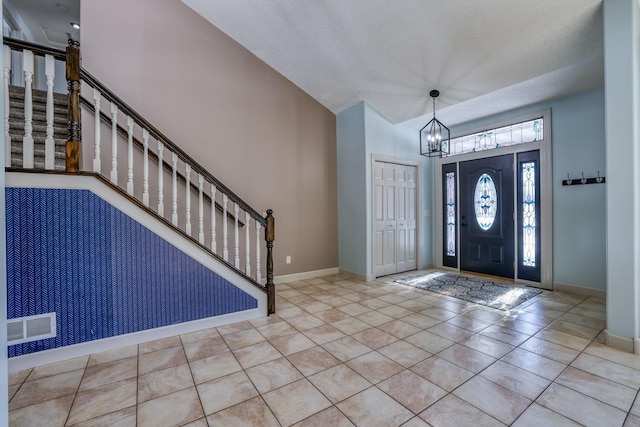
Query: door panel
{"x": 410, "y": 219}
{"x": 378, "y": 212}
{"x": 486, "y": 217}
{"x": 391, "y": 223}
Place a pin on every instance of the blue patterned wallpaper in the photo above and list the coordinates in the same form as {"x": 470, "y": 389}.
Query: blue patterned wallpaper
{"x": 103, "y": 273}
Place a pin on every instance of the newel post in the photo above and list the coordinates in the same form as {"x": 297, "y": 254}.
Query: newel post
{"x": 73, "y": 124}
{"x": 270, "y": 236}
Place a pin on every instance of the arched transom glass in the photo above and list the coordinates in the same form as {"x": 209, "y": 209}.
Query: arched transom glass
{"x": 485, "y": 201}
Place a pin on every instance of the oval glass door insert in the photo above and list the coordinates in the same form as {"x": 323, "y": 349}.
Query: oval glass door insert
{"x": 485, "y": 201}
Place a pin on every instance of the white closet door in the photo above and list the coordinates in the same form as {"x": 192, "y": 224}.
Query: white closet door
{"x": 395, "y": 218}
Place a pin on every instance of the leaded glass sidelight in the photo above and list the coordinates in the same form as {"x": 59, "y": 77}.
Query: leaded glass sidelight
{"x": 451, "y": 213}
{"x": 528, "y": 171}
{"x": 485, "y": 201}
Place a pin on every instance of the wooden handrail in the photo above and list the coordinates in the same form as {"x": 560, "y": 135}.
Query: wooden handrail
{"x": 153, "y": 131}
{"x": 37, "y": 49}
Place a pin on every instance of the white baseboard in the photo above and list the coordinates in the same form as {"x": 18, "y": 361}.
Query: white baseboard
{"x": 98, "y": 346}
{"x": 305, "y": 275}
{"x": 582, "y": 290}
{"x": 621, "y": 343}
{"x": 426, "y": 266}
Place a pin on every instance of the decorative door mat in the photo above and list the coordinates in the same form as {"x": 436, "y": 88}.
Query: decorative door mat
{"x": 476, "y": 290}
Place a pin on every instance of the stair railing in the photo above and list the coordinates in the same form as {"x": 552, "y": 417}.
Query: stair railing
{"x": 154, "y": 166}
{"x": 30, "y": 52}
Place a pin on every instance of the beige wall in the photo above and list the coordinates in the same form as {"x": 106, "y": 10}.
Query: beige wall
{"x": 267, "y": 140}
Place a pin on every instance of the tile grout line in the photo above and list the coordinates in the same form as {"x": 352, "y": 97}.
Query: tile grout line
{"x": 195, "y": 386}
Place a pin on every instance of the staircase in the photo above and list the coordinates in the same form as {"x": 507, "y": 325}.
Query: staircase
{"x": 16, "y": 126}
{"x": 138, "y": 237}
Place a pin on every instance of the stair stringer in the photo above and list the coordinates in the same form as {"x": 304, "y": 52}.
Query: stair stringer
{"x": 162, "y": 230}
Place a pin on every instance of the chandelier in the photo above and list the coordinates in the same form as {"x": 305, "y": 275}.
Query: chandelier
{"x": 434, "y": 136}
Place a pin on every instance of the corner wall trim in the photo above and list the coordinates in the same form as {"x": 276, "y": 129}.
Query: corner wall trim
{"x": 305, "y": 275}
{"x": 582, "y": 290}
{"x": 92, "y": 347}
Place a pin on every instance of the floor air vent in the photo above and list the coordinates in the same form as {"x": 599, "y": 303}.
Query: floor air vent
{"x": 31, "y": 328}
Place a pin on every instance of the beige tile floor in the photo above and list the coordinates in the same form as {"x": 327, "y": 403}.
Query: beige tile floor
{"x": 340, "y": 352}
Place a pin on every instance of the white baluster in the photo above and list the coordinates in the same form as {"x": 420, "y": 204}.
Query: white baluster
{"x": 214, "y": 246}
{"x": 225, "y": 250}
{"x": 236, "y": 212}
{"x": 145, "y": 167}
{"x": 200, "y": 210}
{"x": 27, "y": 139}
{"x": 96, "y": 131}
{"x": 49, "y": 144}
{"x": 160, "y": 179}
{"x": 114, "y": 143}
{"x": 258, "y": 273}
{"x": 130, "y": 155}
{"x": 7, "y": 106}
{"x": 247, "y": 261}
{"x": 174, "y": 187}
{"x": 187, "y": 225}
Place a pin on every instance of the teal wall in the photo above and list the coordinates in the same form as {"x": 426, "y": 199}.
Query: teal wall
{"x": 352, "y": 198}
{"x": 398, "y": 142}
{"x": 622, "y": 110}
{"x": 362, "y": 133}
{"x": 579, "y": 212}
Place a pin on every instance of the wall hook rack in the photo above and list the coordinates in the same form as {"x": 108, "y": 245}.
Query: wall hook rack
{"x": 597, "y": 180}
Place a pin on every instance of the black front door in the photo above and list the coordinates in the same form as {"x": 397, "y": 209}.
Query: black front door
{"x": 486, "y": 216}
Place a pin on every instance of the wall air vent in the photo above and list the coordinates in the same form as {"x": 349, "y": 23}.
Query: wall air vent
{"x": 31, "y": 328}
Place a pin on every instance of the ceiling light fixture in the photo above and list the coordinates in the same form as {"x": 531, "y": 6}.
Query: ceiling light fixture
{"x": 75, "y": 25}
{"x": 434, "y": 136}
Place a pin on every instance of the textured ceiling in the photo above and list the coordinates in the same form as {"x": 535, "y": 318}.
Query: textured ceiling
{"x": 485, "y": 56}
{"x": 46, "y": 22}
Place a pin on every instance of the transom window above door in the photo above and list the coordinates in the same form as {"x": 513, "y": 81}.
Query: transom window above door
{"x": 514, "y": 134}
